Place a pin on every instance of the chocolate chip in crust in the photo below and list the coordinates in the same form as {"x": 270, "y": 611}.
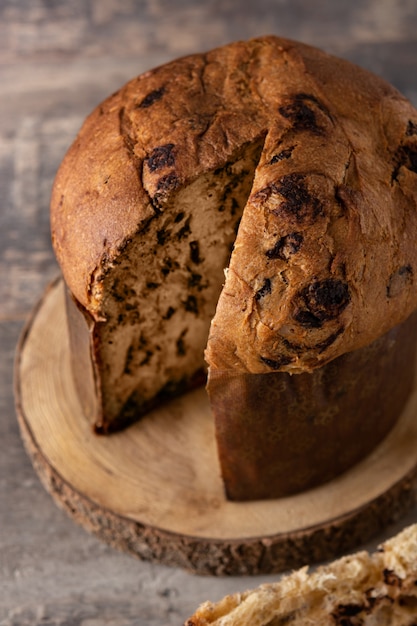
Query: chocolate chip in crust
{"x": 301, "y": 114}
{"x": 320, "y": 302}
{"x": 298, "y": 202}
{"x": 162, "y": 156}
{"x": 285, "y": 246}
{"x": 264, "y": 290}
{"x": 278, "y": 362}
{"x": 153, "y": 96}
{"x": 167, "y": 183}
{"x": 281, "y": 156}
{"x": 298, "y": 199}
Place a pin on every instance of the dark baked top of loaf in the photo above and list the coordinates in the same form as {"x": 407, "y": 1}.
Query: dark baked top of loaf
{"x": 325, "y": 257}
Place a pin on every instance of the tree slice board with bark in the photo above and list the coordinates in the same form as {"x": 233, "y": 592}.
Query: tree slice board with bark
{"x": 154, "y": 490}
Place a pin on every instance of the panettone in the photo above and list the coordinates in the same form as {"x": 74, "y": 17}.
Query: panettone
{"x": 256, "y": 203}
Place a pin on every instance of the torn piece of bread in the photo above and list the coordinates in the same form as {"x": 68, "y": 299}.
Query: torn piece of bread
{"x": 378, "y": 589}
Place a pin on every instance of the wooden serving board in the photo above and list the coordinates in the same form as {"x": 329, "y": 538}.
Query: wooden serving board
{"x": 154, "y": 490}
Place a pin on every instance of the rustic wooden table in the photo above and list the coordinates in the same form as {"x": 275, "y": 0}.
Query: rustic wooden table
{"x": 57, "y": 60}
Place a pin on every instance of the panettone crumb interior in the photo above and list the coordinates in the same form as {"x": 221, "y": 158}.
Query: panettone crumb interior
{"x": 164, "y": 289}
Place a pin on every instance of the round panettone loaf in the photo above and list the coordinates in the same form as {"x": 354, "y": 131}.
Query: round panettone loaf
{"x": 293, "y": 169}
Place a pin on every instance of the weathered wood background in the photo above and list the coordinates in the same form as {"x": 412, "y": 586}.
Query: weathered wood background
{"x": 57, "y": 60}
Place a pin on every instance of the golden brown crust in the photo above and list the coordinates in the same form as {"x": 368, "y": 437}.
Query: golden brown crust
{"x": 324, "y": 261}
{"x": 158, "y": 132}
{"x": 97, "y": 201}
